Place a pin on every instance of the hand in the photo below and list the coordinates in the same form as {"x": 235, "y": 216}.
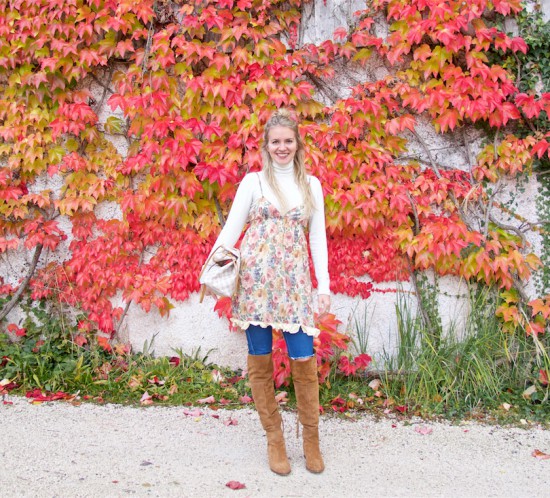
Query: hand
{"x": 324, "y": 304}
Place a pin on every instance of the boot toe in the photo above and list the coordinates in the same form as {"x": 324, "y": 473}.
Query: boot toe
{"x": 278, "y": 461}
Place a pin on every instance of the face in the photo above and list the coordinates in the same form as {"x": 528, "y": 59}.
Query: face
{"x": 281, "y": 144}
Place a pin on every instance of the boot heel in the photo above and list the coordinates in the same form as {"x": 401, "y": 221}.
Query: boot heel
{"x": 260, "y": 375}
{"x": 306, "y": 385}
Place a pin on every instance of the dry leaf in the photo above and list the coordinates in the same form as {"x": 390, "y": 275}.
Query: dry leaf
{"x": 235, "y": 485}
{"x": 208, "y": 400}
{"x": 192, "y": 413}
{"x": 134, "y": 382}
{"x": 146, "y": 399}
{"x": 529, "y": 391}
{"x": 375, "y": 384}
{"x": 423, "y": 429}
{"x": 217, "y": 376}
{"x": 540, "y": 455}
{"x": 281, "y": 397}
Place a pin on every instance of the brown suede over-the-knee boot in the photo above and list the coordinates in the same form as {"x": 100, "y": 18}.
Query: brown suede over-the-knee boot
{"x": 260, "y": 375}
{"x": 306, "y": 385}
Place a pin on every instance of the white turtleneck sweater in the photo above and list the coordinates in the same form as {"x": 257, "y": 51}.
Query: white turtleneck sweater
{"x": 249, "y": 191}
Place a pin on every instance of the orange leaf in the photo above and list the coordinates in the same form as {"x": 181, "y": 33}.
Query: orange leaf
{"x": 540, "y": 455}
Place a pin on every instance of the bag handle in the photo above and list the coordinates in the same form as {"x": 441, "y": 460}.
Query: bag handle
{"x": 212, "y": 255}
{"x": 203, "y": 287}
{"x": 203, "y": 290}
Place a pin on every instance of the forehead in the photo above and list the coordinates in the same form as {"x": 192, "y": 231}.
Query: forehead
{"x": 280, "y": 133}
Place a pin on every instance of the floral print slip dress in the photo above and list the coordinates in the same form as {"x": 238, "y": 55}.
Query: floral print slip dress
{"x": 275, "y": 284}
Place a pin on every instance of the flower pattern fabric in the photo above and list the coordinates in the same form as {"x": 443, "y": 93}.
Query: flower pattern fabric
{"x": 275, "y": 284}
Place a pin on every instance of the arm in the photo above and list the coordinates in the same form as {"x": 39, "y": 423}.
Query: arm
{"x": 318, "y": 245}
{"x": 238, "y": 214}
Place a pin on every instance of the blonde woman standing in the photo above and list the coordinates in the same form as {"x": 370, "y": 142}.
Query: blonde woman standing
{"x": 281, "y": 204}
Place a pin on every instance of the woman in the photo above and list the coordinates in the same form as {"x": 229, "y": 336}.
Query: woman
{"x": 281, "y": 203}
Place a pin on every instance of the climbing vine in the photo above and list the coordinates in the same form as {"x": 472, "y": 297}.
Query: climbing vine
{"x": 186, "y": 85}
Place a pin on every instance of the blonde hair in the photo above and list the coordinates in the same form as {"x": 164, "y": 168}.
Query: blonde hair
{"x": 283, "y": 117}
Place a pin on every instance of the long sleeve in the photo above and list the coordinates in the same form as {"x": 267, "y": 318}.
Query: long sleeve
{"x": 238, "y": 213}
{"x": 318, "y": 238}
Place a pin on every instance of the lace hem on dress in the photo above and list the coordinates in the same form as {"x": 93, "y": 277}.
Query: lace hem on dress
{"x": 292, "y": 328}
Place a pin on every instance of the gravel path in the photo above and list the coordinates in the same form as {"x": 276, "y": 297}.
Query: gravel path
{"x": 56, "y": 449}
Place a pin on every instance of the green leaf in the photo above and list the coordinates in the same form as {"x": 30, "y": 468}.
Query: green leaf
{"x": 72, "y": 145}
{"x": 114, "y": 125}
{"x": 55, "y": 154}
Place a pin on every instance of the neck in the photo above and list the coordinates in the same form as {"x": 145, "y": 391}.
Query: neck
{"x": 283, "y": 169}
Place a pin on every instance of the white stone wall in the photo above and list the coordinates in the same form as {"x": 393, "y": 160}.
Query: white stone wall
{"x": 196, "y": 329}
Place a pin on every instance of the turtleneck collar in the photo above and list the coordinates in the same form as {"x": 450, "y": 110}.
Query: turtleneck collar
{"x": 284, "y": 169}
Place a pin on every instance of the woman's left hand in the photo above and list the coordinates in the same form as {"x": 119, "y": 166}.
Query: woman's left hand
{"x": 324, "y": 304}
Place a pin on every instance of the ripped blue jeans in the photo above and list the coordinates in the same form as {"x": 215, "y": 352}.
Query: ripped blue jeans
{"x": 260, "y": 341}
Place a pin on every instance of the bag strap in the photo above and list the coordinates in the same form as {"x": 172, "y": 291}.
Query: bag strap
{"x": 260, "y": 182}
{"x": 208, "y": 261}
{"x": 203, "y": 291}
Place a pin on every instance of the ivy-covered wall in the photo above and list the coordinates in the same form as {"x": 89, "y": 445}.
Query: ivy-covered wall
{"x": 126, "y": 127}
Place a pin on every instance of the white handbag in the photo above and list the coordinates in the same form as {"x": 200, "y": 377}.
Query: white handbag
{"x": 220, "y": 273}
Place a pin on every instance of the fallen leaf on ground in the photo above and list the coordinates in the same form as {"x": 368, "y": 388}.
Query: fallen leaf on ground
{"x": 134, "y": 382}
{"x": 506, "y": 406}
{"x": 375, "y": 384}
{"x": 235, "y": 379}
{"x": 281, "y": 397}
{"x": 245, "y": 399}
{"x": 235, "y": 485}
{"x": 6, "y": 386}
{"x": 224, "y": 401}
{"x": 230, "y": 421}
{"x": 37, "y": 396}
{"x": 529, "y": 392}
{"x": 540, "y": 455}
{"x": 146, "y": 399}
{"x": 423, "y": 429}
{"x": 208, "y": 400}
{"x": 217, "y": 376}
{"x": 192, "y": 413}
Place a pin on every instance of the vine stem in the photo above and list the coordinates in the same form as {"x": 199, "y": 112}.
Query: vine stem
{"x": 423, "y": 312}
{"x": 127, "y": 307}
{"x": 435, "y": 169}
{"x": 17, "y": 296}
{"x": 219, "y": 211}
{"x": 105, "y": 87}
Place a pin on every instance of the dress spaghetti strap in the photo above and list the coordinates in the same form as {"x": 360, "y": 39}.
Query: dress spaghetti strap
{"x": 260, "y": 182}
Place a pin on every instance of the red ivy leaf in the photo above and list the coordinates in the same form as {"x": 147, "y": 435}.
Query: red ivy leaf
{"x": 543, "y": 377}
{"x": 340, "y": 33}
{"x": 235, "y": 485}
